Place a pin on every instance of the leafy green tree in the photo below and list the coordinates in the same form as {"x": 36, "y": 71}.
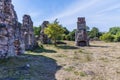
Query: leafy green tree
{"x": 117, "y": 37}
{"x": 66, "y": 31}
{"x": 107, "y": 37}
{"x": 114, "y": 30}
{"x": 54, "y": 30}
{"x": 67, "y": 37}
{"x": 71, "y": 35}
{"x": 37, "y": 30}
{"x": 94, "y": 33}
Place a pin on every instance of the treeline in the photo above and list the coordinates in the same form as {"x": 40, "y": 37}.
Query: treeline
{"x": 67, "y": 35}
{"x": 113, "y": 35}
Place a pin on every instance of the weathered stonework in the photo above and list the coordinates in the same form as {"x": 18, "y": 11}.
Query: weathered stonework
{"x": 12, "y": 40}
{"x": 43, "y": 37}
{"x": 81, "y": 38}
{"x": 9, "y": 30}
{"x": 28, "y": 33}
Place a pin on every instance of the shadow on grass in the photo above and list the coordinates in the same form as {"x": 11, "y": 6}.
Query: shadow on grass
{"x": 60, "y": 42}
{"x": 41, "y": 50}
{"x": 99, "y": 46}
{"x": 66, "y": 47}
{"x": 40, "y": 68}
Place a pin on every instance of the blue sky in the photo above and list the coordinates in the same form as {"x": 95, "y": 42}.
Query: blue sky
{"x": 98, "y": 13}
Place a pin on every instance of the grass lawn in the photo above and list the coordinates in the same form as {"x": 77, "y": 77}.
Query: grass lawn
{"x": 100, "y": 61}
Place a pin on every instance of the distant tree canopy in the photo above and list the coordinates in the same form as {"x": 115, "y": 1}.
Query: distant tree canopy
{"x": 37, "y": 30}
{"x": 69, "y": 36}
{"x": 54, "y": 30}
{"x": 66, "y": 31}
{"x": 94, "y": 33}
{"x": 114, "y": 30}
{"x": 107, "y": 37}
{"x": 112, "y": 36}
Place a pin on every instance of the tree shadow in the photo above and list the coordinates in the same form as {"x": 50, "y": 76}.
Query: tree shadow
{"x": 66, "y": 47}
{"x": 29, "y": 67}
{"x": 41, "y": 50}
{"x": 60, "y": 42}
{"x": 99, "y": 46}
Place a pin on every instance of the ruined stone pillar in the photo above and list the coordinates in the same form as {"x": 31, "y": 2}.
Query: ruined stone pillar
{"x": 43, "y": 37}
{"x": 81, "y": 38}
{"x": 28, "y": 33}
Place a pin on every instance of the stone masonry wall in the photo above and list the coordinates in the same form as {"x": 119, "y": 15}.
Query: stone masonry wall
{"x": 12, "y": 40}
{"x": 28, "y": 33}
{"x": 81, "y": 38}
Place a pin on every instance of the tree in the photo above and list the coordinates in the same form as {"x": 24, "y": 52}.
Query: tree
{"x": 107, "y": 37}
{"x": 37, "y": 30}
{"x": 117, "y": 37}
{"x": 94, "y": 33}
{"x": 114, "y": 30}
{"x": 66, "y": 31}
{"x": 71, "y": 35}
{"x": 112, "y": 36}
{"x": 54, "y": 30}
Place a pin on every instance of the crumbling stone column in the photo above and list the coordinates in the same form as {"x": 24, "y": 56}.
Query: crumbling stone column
{"x": 43, "y": 37}
{"x": 28, "y": 33}
{"x": 81, "y": 38}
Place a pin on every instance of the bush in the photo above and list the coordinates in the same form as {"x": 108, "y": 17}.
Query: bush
{"x": 107, "y": 37}
{"x": 117, "y": 37}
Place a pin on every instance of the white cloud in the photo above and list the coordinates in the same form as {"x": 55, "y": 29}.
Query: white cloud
{"x": 75, "y": 8}
{"x": 99, "y": 13}
{"x": 112, "y": 7}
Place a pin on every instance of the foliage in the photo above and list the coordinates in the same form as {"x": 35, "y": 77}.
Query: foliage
{"x": 66, "y": 31}
{"x": 107, "y": 37}
{"x": 37, "y": 30}
{"x": 94, "y": 33}
{"x": 114, "y": 30}
{"x": 117, "y": 37}
{"x": 72, "y": 35}
{"x": 54, "y": 30}
{"x": 112, "y": 36}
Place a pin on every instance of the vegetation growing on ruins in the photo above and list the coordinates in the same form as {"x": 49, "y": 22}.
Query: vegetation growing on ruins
{"x": 54, "y": 30}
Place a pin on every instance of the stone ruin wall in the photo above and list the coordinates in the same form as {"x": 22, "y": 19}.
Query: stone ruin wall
{"x": 12, "y": 41}
{"x": 28, "y": 32}
{"x": 81, "y": 38}
{"x": 43, "y": 37}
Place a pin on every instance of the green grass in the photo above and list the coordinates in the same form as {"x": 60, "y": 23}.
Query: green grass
{"x": 69, "y": 69}
{"x": 81, "y": 73}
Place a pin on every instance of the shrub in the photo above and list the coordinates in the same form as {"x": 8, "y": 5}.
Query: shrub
{"x": 107, "y": 37}
{"x": 117, "y": 37}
